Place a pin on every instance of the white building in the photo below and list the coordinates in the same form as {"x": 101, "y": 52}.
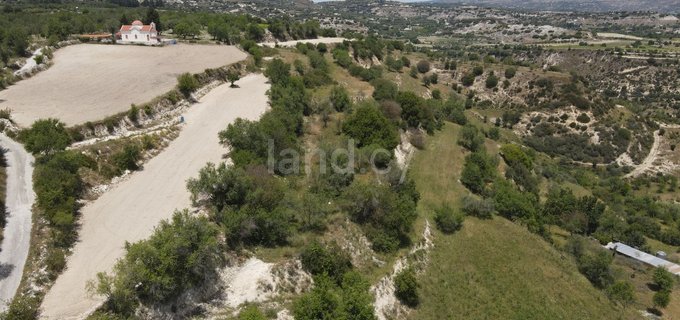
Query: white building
{"x": 139, "y": 33}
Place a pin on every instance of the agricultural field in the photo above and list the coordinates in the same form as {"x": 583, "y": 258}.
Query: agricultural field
{"x": 90, "y": 82}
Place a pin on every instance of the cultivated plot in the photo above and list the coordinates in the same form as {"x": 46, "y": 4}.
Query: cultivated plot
{"x": 89, "y": 82}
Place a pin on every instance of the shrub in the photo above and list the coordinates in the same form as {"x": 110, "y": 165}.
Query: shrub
{"x": 661, "y": 298}
{"x": 470, "y": 138}
{"x": 622, "y": 292}
{"x": 479, "y": 169}
{"x": 133, "y": 113}
{"x": 369, "y": 126}
{"x": 595, "y": 267}
{"x": 480, "y": 208}
{"x": 447, "y": 220}
{"x": 583, "y": 118}
{"x": 22, "y": 307}
{"x": 494, "y": 134}
{"x": 330, "y": 260}
{"x": 181, "y": 253}
{"x": 45, "y": 136}
{"x": 127, "y": 158}
{"x": 251, "y": 312}
{"x": 187, "y": 84}
{"x": 510, "y": 72}
{"x": 340, "y": 99}
{"x": 384, "y": 89}
{"x": 477, "y": 71}
{"x": 491, "y": 81}
{"x": 423, "y": 66}
{"x": 663, "y": 279}
{"x": 468, "y": 79}
{"x": 406, "y": 287}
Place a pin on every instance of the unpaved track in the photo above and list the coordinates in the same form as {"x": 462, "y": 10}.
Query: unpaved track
{"x": 89, "y": 81}
{"x": 19, "y": 201}
{"x": 131, "y": 210}
{"x": 293, "y": 43}
{"x": 648, "y": 163}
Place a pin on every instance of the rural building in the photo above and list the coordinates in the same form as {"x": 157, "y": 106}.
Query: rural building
{"x": 641, "y": 256}
{"x": 139, "y": 33}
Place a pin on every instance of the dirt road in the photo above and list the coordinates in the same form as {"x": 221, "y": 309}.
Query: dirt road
{"x": 19, "y": 200}
{"x": 131, "y": 209}
{"x": 293, "y": 43}
{"x": 89, "y": 82}
{"x": 648, "y": 163}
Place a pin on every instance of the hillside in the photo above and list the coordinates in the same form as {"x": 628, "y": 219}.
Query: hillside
{"x": 577, "y": 5}
{"x": 493, "y": 269}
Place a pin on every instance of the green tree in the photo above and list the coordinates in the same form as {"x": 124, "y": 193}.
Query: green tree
{"x": 448, "y": 221}
{"x": 187, "y": 84}
{"x": 153, "y": 16}
{"x": 663, "y": 279}
{"x": 423, "y": 66}
{"x": 367, "y": 126}
{"x": 406, "y": 287}
{"x": 181, "y": 253}
{"x": 384, "y": 89}
{"x": 45, "y": 136}
{"x": 479, "y": 169}
{"x": 661, "y": 299}
{"x": 471, "y": 138}
{"x": 622, "y": 292}
{"x": 340, "y": 99}
{"x": 510, "y": 72}
{"x": 330, "y": 260}
{"x": 232, "y": 77}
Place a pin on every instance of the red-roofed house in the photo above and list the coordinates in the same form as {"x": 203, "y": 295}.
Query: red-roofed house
{"x": 138, "y": 32}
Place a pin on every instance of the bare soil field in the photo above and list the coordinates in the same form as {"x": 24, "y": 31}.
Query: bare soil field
{"x": 130, "y": 210}
{"x": 89, "y": 82}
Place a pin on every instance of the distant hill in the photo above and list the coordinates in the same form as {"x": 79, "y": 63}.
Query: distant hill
{"x": 577, "y": 5}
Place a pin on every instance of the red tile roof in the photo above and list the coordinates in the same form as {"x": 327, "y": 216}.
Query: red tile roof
{"x": 137, "y": 24}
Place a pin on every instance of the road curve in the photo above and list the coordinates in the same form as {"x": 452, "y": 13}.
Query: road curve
{"x": 132, "y": 208}
{"x": 19, "y": 201}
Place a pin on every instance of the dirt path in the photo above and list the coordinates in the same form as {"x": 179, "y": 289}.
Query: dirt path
{"x": 648, "y": 163}
{"x": 19, "y": 201}
{"x": 293, "y": 43}
{"x": 89, "y": 81}
{"x": 131, "y": 209}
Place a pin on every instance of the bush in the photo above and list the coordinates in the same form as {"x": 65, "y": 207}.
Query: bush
{"x": 595, "y": 267}
{"x": 478, "y": 71}
{"x": 447, "y": 220}
{"x": 663, "y": 279}
{"x": 367, "y": 125}
{"x": 622, "y": 292}
{"x": 480, "y": 208}
{"x": 583, "y": 118}
{"x": 181, "y": 253}
{"x": 661, "y": 299}
{"x": 22, "y": 307}
{"x": 468, "y": 79}
{"x": 423, "y": 66}
{"x": 491, "y": 81}
{"x": 187, "y": 84}
{"x": 330, "y": 260}
{"x": 384, "y": 89}
{"x": 340, "y": 99}
{"x": 45, "y": 136}
{"x": 510, "y": 72}
{"x": 479, "y": 169}
{"x": 133, "y": 113}
{"x": 127, "y": 158}
{"x": 470, "y": 138}
{"x": 406, "y": 287}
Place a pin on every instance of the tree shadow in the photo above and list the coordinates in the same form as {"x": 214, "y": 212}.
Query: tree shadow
{"x": 655, "y": 311}
{"x": 5, "y": 270}
{"x": 235, "y": 86}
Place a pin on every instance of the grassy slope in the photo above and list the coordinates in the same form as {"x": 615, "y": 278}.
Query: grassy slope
{"x": 493, "y": 269}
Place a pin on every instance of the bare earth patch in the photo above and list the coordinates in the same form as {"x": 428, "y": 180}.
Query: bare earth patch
{"x": 89, "y": 82}
{"x": 133, "y": 207}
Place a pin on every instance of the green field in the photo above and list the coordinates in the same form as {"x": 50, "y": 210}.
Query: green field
{"x": 494, "y": 269}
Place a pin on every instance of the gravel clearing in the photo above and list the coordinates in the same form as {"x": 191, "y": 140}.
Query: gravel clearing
{"x": 130, "y": 210}
{"x": 90, "y": 81}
